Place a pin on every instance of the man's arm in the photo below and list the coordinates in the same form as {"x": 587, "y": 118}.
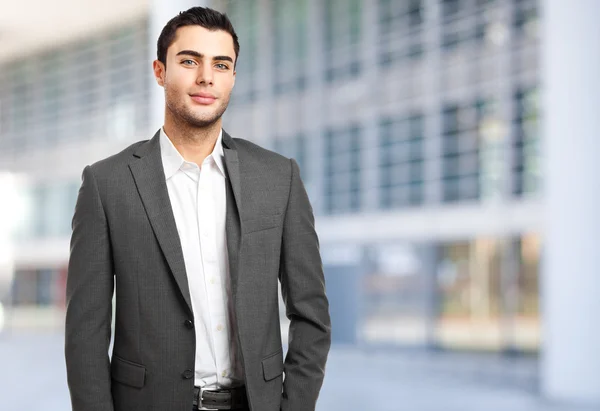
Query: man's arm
{"x": 89, "y": 303}
{"x": 307, "y": 307}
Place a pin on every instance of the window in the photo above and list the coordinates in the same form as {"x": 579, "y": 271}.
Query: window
{"x": 5, "y": 125}
{"x": 342, "y": 170}
{"x": 121, "y": 42}
{"x": 290, "y": 44}
{"x": 36, "y": 288}
{"x": 525, "y": 17}
{"x": 87, "y": 81}
{"x": 456, "y": 28}
{"x": 460, "y": 153}
{"x": 465, "y": 268}
{"x": 400, "y": 29}
{"x": 39, "y": 205}
{"x": 343, "y": 30}
{"x": 45, "y": 289}
{"x": 492, "y": 134}
{"x": 483, "y": 20}
{"x": 463, "y": 22}
{"x": 122, "y": 83}
{"x": 526, "y": 167}
{"x": 95, "y": 86}
{"x": 24, "y": 288}
{"x": 19, "y": 105}
{"x": 244, "y": 17}
{"x": 528, "y": 281}
{"x": 450, "y": 8}
{"x": 50, "y": 208}
{"x": 401, "y": 161}
{"x": 295, "y": 148}
{"x": 53, "y": 94}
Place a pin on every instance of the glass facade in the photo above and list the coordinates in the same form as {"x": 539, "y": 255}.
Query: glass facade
{"x": 469, "y": 294}
{"x": 244, "y": 16}
{"x": 389, "y": 107}
{"x": 294, "y": 147}
{"x": 526, "y": 172}
{"x": 401, "y": 159}
{"x": 400, "y": 30}
{"x": 460, "y": 147}
{"x": 92, "y": 88}
{"x": 343, "y": 35}
{"x": 343, "y": 170}
{"x": 48, "y": 208}
{"x": 44, "y": 287}
{"x": 290, "y": 52}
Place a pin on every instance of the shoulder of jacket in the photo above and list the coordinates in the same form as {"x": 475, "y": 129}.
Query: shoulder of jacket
{"x": 254, "y": 150}
{"x": 112, "y": 163}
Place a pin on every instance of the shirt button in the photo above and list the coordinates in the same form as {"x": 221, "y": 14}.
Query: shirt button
{"x": 219, "y": 327}
{"x": 187, "y": 374}
{"x": 189, "y": 324}
{"x": 212, "y": 280}
{"x": 224, "y": 373}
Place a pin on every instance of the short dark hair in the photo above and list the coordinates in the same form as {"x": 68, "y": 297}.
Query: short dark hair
{"x": 196, "y": 16}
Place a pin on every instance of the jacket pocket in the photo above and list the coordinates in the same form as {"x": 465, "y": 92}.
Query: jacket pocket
{"x": 127, "y": 372}
{"x": 272, "y": 365}
{"x": 261, "y": 223}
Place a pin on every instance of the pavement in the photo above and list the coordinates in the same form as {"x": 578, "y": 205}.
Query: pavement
{"x": 32, "y": 376}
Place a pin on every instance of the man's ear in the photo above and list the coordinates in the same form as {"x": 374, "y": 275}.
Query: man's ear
{"x": 159, "y": 72}
{"x": 233, "y": 78}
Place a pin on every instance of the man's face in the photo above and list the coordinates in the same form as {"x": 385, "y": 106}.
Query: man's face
{"x": 199, "y": 75}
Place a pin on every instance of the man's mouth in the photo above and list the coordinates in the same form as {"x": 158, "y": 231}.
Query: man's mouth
{"x": 203, "y": 98}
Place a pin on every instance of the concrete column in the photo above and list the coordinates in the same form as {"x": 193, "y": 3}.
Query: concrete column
{"x": 432, "y": 106}
{"x": 315, "y": 111}
{"x": 570, "y": 366}
{"x": 430, "y": 254}
{"x": 161, "y": 11}
{"x": 262, "y": 115}
{"x": 370, "y": 117}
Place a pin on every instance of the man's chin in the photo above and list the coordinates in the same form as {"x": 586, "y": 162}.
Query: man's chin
{"x": 204, "y": 121}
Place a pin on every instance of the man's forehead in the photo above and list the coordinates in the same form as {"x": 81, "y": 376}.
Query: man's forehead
{"x": 204, "y": 41}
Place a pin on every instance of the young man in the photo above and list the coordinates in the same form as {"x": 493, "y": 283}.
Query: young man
{"x": 195, "y": 228}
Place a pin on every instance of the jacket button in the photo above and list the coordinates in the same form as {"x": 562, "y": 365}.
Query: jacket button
{"x": 189, "y": 324}
{"x": 187, "y": 374}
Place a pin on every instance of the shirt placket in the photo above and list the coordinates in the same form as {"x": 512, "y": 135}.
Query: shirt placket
{"x": 214, "y": 294}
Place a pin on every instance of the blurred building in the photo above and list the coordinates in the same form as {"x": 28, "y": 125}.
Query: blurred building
{"x": 415, "y": 124}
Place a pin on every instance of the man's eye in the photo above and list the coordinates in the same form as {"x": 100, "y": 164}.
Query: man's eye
{"x": 222, "y": 66}
{"x": 188, "y": 61}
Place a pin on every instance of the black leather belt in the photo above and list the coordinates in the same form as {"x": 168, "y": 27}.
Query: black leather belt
{"x": 226, "y": 399}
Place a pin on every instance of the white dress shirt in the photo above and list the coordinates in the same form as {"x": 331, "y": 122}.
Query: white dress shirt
{"x": 198, "y": 199}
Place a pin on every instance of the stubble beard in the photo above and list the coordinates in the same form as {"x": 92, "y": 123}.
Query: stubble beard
{"x": 185, "y": 116}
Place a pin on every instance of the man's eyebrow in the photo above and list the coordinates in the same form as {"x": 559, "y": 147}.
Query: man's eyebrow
{"x": 200, "y": 55}
{"x": 221, "y": 58}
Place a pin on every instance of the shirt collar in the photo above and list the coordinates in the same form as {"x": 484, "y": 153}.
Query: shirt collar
{"x": 172, "y": 160}
{"x": 218, "y": 154}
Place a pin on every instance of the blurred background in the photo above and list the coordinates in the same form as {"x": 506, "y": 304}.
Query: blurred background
{"x": 449, "y": 149}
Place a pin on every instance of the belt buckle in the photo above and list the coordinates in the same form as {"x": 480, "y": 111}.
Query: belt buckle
{"x": 200, "y": 405}
{"x": 200, "y": 398}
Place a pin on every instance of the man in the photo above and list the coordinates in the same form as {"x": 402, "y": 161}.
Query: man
{"x": 195, "y": 229}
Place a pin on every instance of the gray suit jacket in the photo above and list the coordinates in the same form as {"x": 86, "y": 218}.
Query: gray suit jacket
{"x": 124, "y": 234}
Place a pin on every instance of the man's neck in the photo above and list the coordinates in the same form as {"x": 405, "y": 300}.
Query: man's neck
{"x": 194, "y": 144}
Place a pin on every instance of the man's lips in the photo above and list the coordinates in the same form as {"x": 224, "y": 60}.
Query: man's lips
{"x": 203, "y": 98}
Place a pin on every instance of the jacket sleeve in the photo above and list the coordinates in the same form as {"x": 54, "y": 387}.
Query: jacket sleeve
{"x": 307, "y": 307}
{"x": 89, "y": 302}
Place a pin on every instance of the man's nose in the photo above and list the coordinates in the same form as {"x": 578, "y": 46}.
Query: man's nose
{"x": 205, "y": 74}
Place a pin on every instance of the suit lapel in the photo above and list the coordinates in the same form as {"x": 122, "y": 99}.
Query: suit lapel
{"x": 234, "y": 205}
{"x": 148, "y": 173}
{"x": 150, "y": 180}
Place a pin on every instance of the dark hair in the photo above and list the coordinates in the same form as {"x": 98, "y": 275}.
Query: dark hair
{"x": 196, "y": 16}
